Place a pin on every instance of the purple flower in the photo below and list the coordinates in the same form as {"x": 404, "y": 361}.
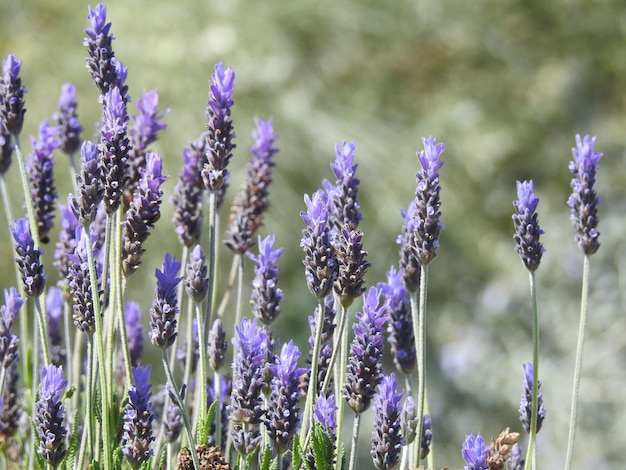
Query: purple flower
{"x": 143, "y": 212}
{"x": 114, "y": 148}
{"x": 515, "y": 460}
{"x": 410, "y": 420}
{"x": 196, "y": 281}
{"x": 283, "y": 413}
{"x": 28, "y": 259}
{"x": 39, "y": 167}
{"x": 146, "y": 125}
{"x": 67, "y": 120}
{"x": 343, "y": 197}
{"x": 246, "y": 214}
{"x": 387, "y": 439}
{"x": 426, "y": 222}
{"x": 325, "y": 411}
{"x": 165, "y": 306}
{"x": 324, "y": 416}
{"x": 12, "y": 96}
{"x": 266, "y": 295}
{"x": 427, "y": 436}
{"x": 319, "y": 259}
{"x": 11, "y": 412}
{"x": 475, "y": 453}
{"x": 220, "y": 127}
{"x": 172, "y": 422}
{"x": 106, "y": 71}
{"x": 138, "y": 417}
{"x": 8, "y": 341}
{"x": 584, "y": 200}
{"x": 49, "y": 414}
{"x": 326, "y": 349}
{"x": 217, "y": 345}
{"x": 6, "y": 149}
{"x": 525, "y": 407}
{"x": 54, "y": 314}
{"x": 400, "y": 327}
{"x": 134, "y": 331}
{"x": 409, "y": 264}
{"x": 527, "y": 230}
{"x": 90, "y": 189}
{"x": 366, "y": 353}
{"x": 188, "y": 194}
{"x": 80, "y": 285}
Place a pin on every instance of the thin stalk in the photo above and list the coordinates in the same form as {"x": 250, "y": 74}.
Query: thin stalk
{"x": 343, "y": 364}
{"x": 212, "y": 261}
{"x": 239, "y": 288}
{"x": 86, "y": 443}
{"x": 114, "y": 261}
{"x": 43, "y": 330}
{"x": 305, "y": 431}
{"x": 584, "y": 305}
{"x": 229, "y": 288}
{"x": 76, "y": 365}
{"x": 217, "y": 386}
{"x": 355, "y": 441}
{"x": 179, "y": 402}
{"x": 30, "y": 208}
{"x": 202, "y": 382}
{"x": 531, "y": 455}
{"x": 179, "y": 295}
{"x": 418, "y": 312}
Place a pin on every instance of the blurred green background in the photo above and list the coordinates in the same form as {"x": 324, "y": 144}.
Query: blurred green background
{"x": 504, "y": 84}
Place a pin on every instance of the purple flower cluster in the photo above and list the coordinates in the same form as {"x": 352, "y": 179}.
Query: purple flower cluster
{"x": 80, "y": 285}
{"x": 584, "y": 200}
{"x": 39, "y": 167}
{"x": 164, "y": 309}
{"x": 6, "y": 149}
{"x": 220, "y": 128}
{"x": 525, "y": 408}
{"x": 12, "y": 108}
{"x": 217, "y": 345}
{"x": 90, "y": 190}
{"x": 67, "y": 120}
{"x": 387, "y": 438}
{"x": 326, "y": 349}
{"x": 49, "y": 415}
{"x": 28, "y": 259}
{"x": 410, "y": 267}
{"x": 8, "y": 341}
{"x": 196, "y": 281}
{"x": 266, "y": 295}
{"x": 251, "y": 202}
{"x": 527, "y": 230}
{"x": 475, "y": 453}
{"x": 137, "y": 420}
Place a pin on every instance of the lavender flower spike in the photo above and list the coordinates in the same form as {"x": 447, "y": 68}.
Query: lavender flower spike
{"x": 89, "y": 186}
{"x": 283, "y": 413}
{"x": 49, "y": 414}
{"x": 475, "y": 453}
{"x": 387, "y": 439}
{"x": 346, "y": 209}
{"x": 28, "y": 259}
{"x": 39, "y": 167}
{"x": 165, "y": 306}
{"x": 527, "y": 230}
{"x": 319, "y": 261}
{"x": 525, "y": 408}
{"x": 217, "y": 345}
{"x": 427, "y": 224}
{"x": 138, "y": 417}
{"x": 12, "y": 108}
{"x": 8, "y": 341}
{"x": 196, "y": 281}
{"x": 266, "y": 295}
{"x": 366, "y": 353}
{"x": 584, "y": 200}
{"x": 67, "y": 120}
{"x": 220, "y": 128}
{"x": 6, "y": 149}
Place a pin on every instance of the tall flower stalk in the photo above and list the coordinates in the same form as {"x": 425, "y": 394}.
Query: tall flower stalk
{"x": 583, "y": 202}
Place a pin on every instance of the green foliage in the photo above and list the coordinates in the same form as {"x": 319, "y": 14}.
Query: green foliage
{"x": 204, "y": 427}
{"x": 69, "y": 462}
{"x": 267, "y": 458}
{"x": 322, "y": 447}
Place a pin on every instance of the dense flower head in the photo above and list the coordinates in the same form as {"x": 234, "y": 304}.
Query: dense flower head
{"x": 172, "y": 422}
{"x": 400, "y": 326}
{"x": 475, "y": 453}
{"x": 90, "y": 189}
{"x": 410, "y": 267}
{"x": 527, "y": 230}
{"x": 515, "y": 460}
{"x": 106, "y": 71}
{"x": 366, "y": 352}
{"x": 325, "y": 411}
{"x": 6, "y": 150}
{"x": 114, "y": 148}
{"x": 137, "y": 420}
{"x": 343, "y": 197}
{"x": 251, "y": 202}
{"x": 134, "y": 331}
{"x": 146, "y": 125}
{"x": 409, "y": 419}
{"x": 266, "y": 295}
{"x": 143, "y": 212}
{"x": 187, "y": 196}
{"x": 83, "y": 303}
{"x": 49, "y": 415}
{"x": 387, "y": 438}
{"x": 39, "y": 167}
{"x": 54, "y": 315}
{"x": 427, "y": 436}
{"x": 426, "y": 222}
{"x": 525, "y": 408}
{"x": 584, "y": 200}
{"x": 351, "y": 265}
{"x": 9, "y": 341}
{"x": 11, "y": 405}
{"x": 326, "y": 346}
{"x": 28, "y": 259}
{"x": 164, "y": 309}
{"x": 319, "y": 258}
{"x": 220, "y": 133}
{"x": 196, "y": 280}
{"x": 217, "y": 345}
{"x": 67, "y": 120}
{"x": 12, "y": 108}
{"x": 283, "y": 413}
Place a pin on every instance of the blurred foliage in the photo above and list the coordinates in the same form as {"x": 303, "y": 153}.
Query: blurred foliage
{"x": 504, "y": 84}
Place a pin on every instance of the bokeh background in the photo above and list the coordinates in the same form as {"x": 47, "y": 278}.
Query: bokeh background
{"x": 504, "y": 84}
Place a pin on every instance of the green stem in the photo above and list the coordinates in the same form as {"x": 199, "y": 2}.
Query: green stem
{"x": 43, "y": 330}
{"x": 114, "y": 261}
{"x": 86, "y": 443}
{"x": 30, "y": 208}
{"x": 531, "y": 455}
{"x": 418, "y": 312}
{"x": 212, "y": 260}
{"x": 578, "y": 364}
{"x": 343, "y": 364}
{"x": 355, "y": 441}
{"x": 179, "y": 402}
{"x": 217, "y": 386}
{"x": 202, "y": 383}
